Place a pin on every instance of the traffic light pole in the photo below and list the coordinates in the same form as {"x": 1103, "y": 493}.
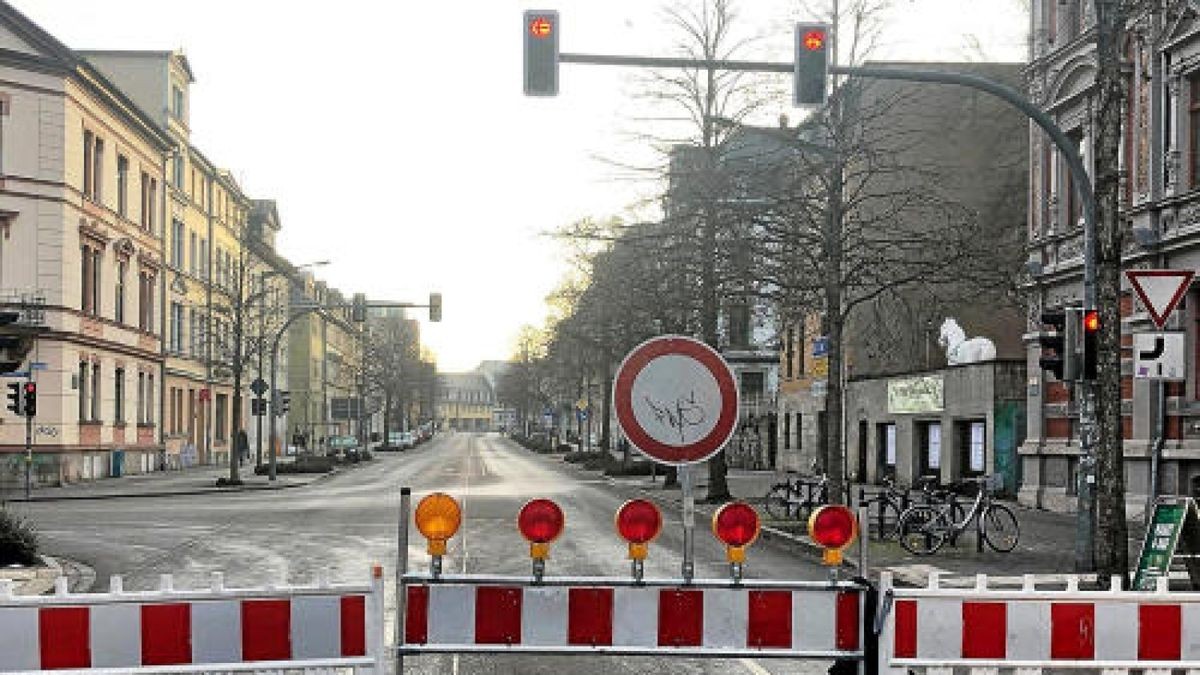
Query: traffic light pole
{"x": 28, "y": 450}
{"x": 1086, "y": 479}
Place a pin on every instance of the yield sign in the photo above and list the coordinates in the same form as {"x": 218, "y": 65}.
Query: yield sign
{"x": 1160, "y": 290}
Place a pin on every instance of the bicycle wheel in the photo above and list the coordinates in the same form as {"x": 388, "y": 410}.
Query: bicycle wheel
{"x": 1000, "y": 529}
{"x": 922, "y": 530}
{"x": 780, "y": 503}
{"x": 886, "y": 520}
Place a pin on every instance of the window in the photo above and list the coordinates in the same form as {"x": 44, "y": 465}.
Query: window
{"x": 177, "y": 170}
{"x": 192, "y": 253}
{"x": 192, "y": 326}
{"x": 887, "y": 449}
{"x": 119, "y": 396}
{"x": 98, "y": 171}
{"x": 84, "y": 409}
{"x": 95, "y": 402}
{"x": 931, "y": 447}
{"x": 787, "y": 430}
{"x": 90, "y": 280}
{"x": 971, "y": 441}
{"x": 204, "y": 258}
{"x": 219, "y": 432}
{"x": 119, "y": 300}
{"x": 177, "y": 102}
{"x": 149, "y": 201}
{"x": 153, "y": 203}
{"x": 88, "y": 165}
{"x": 1194, "y": 130}
{"x": 4, "y": 110}
{"x": 141, "y": 397}
{"x": 1074, "y": 209}
{"x": 789, "y": 361}
{"x": 1051, "y": 20}
{"x": 146, "y": 302}
{"x": 122, "y": 185}
{"x": 739, "y": 325}
{"x": 176, "y": 336}
{"x": 149, "y": 399}
{"x": 176, "y": 244}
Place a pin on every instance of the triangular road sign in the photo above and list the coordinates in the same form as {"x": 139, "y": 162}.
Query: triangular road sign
{"x": 1160, "y": 290}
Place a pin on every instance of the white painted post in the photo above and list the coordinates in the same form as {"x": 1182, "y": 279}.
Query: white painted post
{"x": 217, "y": 582}
{"x": 376, "y": 639}
{"x": 116, "y": 584}
{"x": 887, "y": 637}
{"x": 981, "y": 582}
{"x": 60, "y": 586}
{"x": 166, "y": 583}
{"x": 1028, "y": 583}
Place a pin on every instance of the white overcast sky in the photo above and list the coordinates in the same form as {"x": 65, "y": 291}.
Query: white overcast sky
{"x": 396, "y": 140}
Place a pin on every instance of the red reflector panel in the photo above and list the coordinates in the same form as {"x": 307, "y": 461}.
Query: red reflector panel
{"x": 1072, "y": 631}
{"x": 680, "y": 618}
{"x": 354, "y": 626}
{"x": 64, "y": 637}
{"x": 1160, "y": 631}
{"x": 498, "y": 615}
{"x": 166, "y": 634}
{"x": 589, "y": 616}
{"x": 266, "y": 630}
{"x": 769, "y": 619}
{"x": 416, "y": 620}
{"x": 906, "y": 629}
{"x": 847, "y": 621}
{"x": 984, "y": 630}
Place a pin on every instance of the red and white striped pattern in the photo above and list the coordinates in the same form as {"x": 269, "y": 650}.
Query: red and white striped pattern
{"x": 442, "y": 617}
{"x": 1041, "y": 629}
{"x": 134, "y": 630}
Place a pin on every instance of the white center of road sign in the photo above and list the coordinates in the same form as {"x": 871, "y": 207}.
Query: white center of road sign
{"x": 1160, "y": 290}
{"x": 1159, "y": 356}
{"x": 676, "y": 400}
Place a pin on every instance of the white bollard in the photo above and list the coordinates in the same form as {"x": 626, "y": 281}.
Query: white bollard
{"x": 166, "y": 583}
{"x": 116, "y": 584}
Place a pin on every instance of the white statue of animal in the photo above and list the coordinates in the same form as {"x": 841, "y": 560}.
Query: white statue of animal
{"x": 959, "y": 349}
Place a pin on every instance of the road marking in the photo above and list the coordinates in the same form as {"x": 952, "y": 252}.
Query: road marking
{"x": 754, "y": 667}
{"x": 464, "y": 519}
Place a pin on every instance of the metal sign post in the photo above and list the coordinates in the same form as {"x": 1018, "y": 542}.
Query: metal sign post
{"x": 689, "y": 523}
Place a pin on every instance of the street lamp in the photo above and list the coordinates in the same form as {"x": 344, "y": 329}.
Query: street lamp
{"x": 262, "y": 336}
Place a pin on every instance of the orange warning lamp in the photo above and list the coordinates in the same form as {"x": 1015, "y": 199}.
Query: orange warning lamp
{"x": 639, "y": 522}
{"x": 438, "y": 516}
{"x": 540, "y": 521}
{"x": 833, "y": 527}
{"x": 737, "y": 525}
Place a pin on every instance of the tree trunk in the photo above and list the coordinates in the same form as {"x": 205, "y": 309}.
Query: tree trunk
{"x": 606, "y": 405}
{"x": 1112, "y": 548}
{"x": 235, "y": 450}
{"x": 387, "y": 415}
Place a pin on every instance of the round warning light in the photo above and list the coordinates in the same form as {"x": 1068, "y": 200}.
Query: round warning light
{"x": 832, "y": 526}
{"x": 639, "y": 521}
{"x": 814, "y": 40}
{"x": 736, "y": 524}
{"x": 1091, "y": 321}
{"x": 540, "y": 521}
{"x": 438, "y": 516}
{"x": 541, "y": 27}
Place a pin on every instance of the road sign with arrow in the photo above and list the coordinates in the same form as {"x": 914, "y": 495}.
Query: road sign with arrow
{"x": 1159, "y": 356}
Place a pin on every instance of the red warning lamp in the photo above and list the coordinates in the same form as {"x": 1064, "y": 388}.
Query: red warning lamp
{"x": 540, "y": 521}
{"x": 1091, "y": 321}
{"x": 639, "y": 522}
{"x": 833, "y": 527}
{"x": 813, "y": 40}
{"x": 736, "y": 524}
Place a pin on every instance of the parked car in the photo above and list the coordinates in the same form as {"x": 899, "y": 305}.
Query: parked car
{"x": 343, "y": 446}
{"x": 400, "y": 440}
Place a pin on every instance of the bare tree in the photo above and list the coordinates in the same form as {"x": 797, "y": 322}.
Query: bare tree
{"x": 394, "y": 367}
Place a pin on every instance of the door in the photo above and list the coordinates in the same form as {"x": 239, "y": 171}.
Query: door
{"x": 1009, "y": 433}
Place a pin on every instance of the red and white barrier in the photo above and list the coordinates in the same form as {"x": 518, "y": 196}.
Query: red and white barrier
{"x": 1032, "y": 629}
{"x": 290, "y": 626}
{"x": 480, "y": 615}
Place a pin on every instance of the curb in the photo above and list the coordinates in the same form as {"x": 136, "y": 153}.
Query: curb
{"x": 160, "y": 493}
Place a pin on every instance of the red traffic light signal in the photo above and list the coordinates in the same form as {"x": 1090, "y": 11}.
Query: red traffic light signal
{"x": 540, "y": 33}
{"x": 30, "y": 399}
{"x": 1091, "y": 343}
{"x": 1091, "y": 321}
{"x": 812, "y": 64}
{"x": 813, "y": 40}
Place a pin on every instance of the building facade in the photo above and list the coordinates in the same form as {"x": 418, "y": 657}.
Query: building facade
{"x": 466, "y": 402}
{"x": 82, "y": 205}
{"x": 1160, "y": 193}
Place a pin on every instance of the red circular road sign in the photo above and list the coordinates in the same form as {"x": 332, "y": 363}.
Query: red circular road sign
{"x": 676, "y": 399}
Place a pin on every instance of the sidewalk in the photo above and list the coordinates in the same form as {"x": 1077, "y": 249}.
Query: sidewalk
{"x": 190, "y": 481}
{"x": 1045, "y": 549}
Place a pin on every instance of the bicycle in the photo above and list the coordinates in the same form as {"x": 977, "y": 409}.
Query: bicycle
{"x": 925, "y": 528}
{"x": 889, "y": 503}
{"x": 796, "y": 498}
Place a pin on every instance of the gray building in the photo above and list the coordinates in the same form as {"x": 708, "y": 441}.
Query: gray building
{"x": 1160, "y": 193}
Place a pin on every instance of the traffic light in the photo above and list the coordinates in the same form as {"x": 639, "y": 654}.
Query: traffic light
{"x": 31, "y": 399}
{"x": 285, "y": 401}
{"x": 1059, "y": 345}
{"x": 812, "y": 64}
{"x": 540, "y": 30}
{"x": 1091, "y": 343}
{"x": 14, "y": 397}
{"x": 435, "y": 306}
{"x": 15, "y": 343}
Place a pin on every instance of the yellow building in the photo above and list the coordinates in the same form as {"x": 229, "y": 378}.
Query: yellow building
{"x": 81, "y": 219}
{"x": 325, "y": 367}
{"x": 465, "y": 402}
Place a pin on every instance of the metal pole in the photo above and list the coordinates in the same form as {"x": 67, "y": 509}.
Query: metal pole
{"x": 401, "y": 570}
{"x": 28, "y": 454}
{"x": 262, "y": 330}
{"x": 689, "y": 522}
{"x": 864, "y": 525}
{"x": 1159, "y": 429}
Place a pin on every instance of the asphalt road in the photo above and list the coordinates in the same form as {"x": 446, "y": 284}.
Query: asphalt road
{"x": 350, "y": 520}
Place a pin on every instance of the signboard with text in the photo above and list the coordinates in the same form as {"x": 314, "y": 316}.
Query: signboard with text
{"x": 910, "y": 395}
{"x": 1174, "y": 519}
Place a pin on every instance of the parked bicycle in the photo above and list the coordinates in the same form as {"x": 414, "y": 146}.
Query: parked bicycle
{"x": 924, "y": 528}
{"x": 795, "y": 498}
{"x": 885, "y": 507}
